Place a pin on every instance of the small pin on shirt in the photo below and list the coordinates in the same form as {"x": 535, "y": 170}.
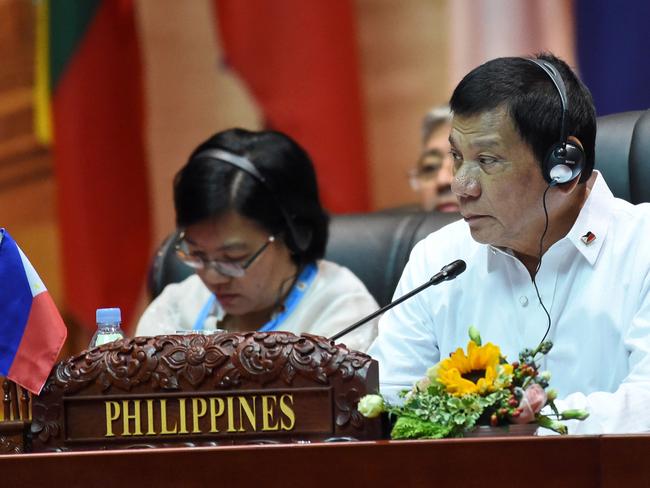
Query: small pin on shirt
{"x": 588, "y": 238}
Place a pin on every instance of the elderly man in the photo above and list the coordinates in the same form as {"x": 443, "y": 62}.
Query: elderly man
{"x": 431, "y": 177}
{"x": 522, "y": 138}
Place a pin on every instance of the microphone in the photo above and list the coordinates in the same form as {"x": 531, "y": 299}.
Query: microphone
{"x": 447, "y": 273}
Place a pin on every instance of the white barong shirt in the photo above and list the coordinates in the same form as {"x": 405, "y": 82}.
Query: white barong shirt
{"x": 597, "y": 294}
{"x": 334, "y": 300}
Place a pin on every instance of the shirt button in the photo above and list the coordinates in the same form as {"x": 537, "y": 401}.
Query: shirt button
{"x": 523, "y": 300}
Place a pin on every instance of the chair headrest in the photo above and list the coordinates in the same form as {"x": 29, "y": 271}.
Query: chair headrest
{"x": 376, "y": 246}
{"x": 622, "y": 153}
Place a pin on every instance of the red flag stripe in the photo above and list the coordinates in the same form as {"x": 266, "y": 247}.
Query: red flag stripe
{"x": 100, "y": 166}
{"x": 42, "y": 340}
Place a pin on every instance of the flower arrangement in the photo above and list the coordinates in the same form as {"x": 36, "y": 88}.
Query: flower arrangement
{"x": 474, "y": 387}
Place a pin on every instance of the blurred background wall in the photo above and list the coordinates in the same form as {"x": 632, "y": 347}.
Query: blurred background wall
{"x": 102, "y": 101}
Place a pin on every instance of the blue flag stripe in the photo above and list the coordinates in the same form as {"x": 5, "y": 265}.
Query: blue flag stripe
{"x": 15, "y": 301}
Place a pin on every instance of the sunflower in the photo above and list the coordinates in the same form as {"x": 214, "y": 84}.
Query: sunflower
{"x": 481, "y": 371}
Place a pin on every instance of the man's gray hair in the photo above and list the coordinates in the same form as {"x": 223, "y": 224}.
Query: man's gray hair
{"x": 434, "y": 118}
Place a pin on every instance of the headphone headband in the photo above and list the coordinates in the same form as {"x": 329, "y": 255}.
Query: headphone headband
{"x": 235, "y": 160}
{"x": 557, "y": 80}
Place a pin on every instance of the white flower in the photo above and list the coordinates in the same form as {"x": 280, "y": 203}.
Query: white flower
{"x": 371, "y": 406}
{"x": 432, "y": 372}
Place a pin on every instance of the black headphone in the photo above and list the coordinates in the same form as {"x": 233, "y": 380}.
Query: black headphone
{"x": 300, "y": 236}
{"x": 564, "y": 161}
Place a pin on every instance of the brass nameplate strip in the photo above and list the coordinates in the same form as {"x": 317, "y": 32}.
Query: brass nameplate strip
{"x": 212, "y": 414}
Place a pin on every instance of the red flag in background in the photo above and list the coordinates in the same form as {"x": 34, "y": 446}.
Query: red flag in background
{"x": 93, "y": 71}
{"x": 300, "y": 62}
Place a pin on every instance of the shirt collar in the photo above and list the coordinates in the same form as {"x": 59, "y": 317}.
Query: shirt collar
{"x": 494, "y": 254}
{"x": 594, "y": 218}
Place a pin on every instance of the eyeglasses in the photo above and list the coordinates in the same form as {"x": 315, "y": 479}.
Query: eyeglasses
{"x": 427, "y": 169}
{"x": 231, "y": 269}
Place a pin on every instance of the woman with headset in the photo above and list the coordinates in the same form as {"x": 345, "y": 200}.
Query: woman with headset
{"x": 252, "y": 226}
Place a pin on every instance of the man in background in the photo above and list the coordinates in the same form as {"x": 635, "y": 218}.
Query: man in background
{"x": 431, "y": 177}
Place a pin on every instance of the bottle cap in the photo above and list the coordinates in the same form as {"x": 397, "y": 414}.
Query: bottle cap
{"x": 108, "y": 316}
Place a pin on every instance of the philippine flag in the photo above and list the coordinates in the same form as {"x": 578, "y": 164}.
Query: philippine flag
{"x": 32, "y": 331}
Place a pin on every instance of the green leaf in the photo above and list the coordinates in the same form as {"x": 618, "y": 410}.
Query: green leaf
{"x": 415, "y": 428}
{"x": 551, "y": 424}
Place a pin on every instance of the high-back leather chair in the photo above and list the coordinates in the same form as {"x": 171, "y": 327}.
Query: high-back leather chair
{"x": 166, "y": 268}
{"x": 623, "y": 154}
{"x": 376, "y": 245}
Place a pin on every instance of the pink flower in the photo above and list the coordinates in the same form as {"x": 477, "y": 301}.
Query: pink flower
{"x": 531, "y": 403}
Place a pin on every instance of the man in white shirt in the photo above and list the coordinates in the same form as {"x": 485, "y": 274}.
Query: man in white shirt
{"x": 523, "y": 147}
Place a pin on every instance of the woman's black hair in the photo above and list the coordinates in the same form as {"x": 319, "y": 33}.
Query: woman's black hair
{"x": 207, "y": 187}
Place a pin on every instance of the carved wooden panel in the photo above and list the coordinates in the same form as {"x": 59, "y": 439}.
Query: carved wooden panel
{"x": 14, "y": 436}
{"x": 205, "y": 390}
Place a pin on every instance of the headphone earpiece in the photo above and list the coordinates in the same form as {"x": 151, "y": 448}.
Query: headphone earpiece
{"x": 301, "y": 237}
{"x": 563, "y": 163}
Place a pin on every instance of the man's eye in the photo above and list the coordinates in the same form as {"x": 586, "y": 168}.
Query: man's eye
{"x": 429, "y": 169}
{"x": 455, "y": 155}
{"x": 487, "y": 160}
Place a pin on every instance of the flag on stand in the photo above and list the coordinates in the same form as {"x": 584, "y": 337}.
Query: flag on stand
{"x": 32, "y": 331}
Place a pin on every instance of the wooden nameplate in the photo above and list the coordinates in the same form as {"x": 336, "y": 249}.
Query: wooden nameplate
{"x": 205, "y": 390}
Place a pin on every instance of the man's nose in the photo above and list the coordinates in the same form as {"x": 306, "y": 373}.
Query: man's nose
{"x": 465, "y": 182}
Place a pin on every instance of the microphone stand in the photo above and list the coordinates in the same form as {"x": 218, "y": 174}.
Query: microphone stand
{"x": 449, "y": 272}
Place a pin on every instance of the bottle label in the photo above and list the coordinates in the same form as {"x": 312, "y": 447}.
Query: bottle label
{"x": 106, "y": 338}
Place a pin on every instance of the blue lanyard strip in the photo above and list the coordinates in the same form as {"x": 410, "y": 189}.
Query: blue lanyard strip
{"x": 297, "y": 292}
{"x": 205, "y": 311}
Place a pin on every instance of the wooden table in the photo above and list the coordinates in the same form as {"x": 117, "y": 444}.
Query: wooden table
{"x": 572, "y": 461}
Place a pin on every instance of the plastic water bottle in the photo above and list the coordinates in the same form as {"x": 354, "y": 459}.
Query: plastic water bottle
{"x": 108, "y": 326}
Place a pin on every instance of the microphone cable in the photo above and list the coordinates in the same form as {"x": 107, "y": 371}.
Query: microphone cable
{"x": 539, "y": 263}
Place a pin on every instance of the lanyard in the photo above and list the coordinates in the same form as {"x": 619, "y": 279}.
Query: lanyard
{"x": 205, "y": 311}
{"x": 297, "y": 292}
{"x": 291, "y": 302}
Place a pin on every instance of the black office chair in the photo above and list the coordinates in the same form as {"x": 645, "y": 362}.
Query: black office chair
{"x": 623, "y": 154}
{"x": 376, "y": 245}
{"x": 166, "y": 268}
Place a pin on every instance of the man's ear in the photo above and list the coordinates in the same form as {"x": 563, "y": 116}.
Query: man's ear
{"x": 576, "y": 141}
